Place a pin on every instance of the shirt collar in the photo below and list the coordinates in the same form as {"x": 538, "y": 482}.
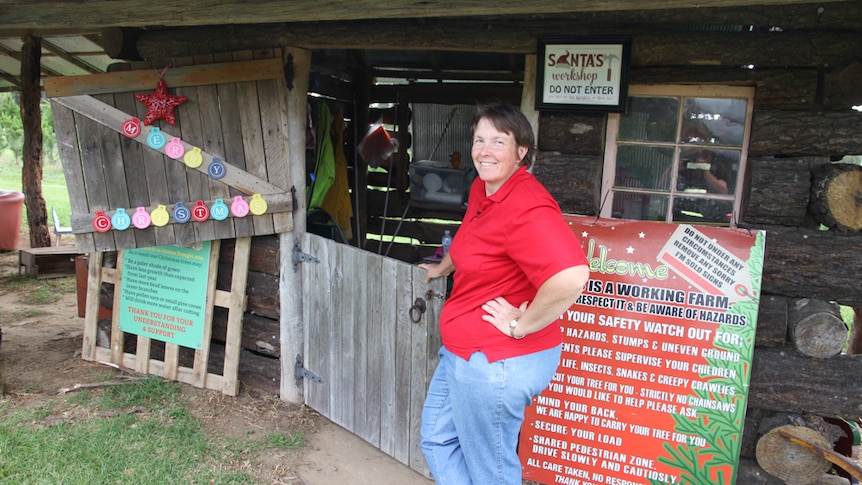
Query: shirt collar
{"x": 509, "y": 185}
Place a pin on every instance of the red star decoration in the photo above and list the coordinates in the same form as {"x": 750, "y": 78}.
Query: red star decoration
{"x": 160, "y": 104}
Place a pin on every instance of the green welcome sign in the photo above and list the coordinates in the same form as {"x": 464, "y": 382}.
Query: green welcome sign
{"x": 163, "y": 293}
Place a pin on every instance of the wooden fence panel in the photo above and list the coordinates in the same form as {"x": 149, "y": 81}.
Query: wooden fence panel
{"x": 233, "y": 113}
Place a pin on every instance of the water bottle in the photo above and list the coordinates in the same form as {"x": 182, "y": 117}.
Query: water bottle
{"x": 447, "y": 241}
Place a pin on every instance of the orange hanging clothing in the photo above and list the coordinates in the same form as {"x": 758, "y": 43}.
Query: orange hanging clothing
{"x": 337, "y": 199}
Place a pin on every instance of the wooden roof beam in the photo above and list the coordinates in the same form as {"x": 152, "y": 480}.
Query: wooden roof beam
{"x": 62, "y": 54}
{"x": 27, "y": 15}
{"x": 14, "y": 80}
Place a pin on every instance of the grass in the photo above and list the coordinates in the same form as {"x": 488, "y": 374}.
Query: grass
{"x": 34, "y": 292}
{"x": 28, "y": 313}
{"x": 53, "y": 185}
{"x": 38, "y": 292}
{"x": 138, "y": 433}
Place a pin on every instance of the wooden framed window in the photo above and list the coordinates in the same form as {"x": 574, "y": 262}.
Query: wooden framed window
{"x": 678, "y": 154}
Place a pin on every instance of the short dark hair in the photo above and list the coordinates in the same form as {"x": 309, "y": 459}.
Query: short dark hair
{"x": 511, "y": 121}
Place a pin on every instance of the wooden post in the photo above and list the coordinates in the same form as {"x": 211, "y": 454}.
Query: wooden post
{"x": 31, "y": 117}
{"x": 290, "y": 290}
{"x": 528, "y": 96}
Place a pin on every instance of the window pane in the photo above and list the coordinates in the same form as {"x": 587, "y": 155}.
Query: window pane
{"x": 705, "y": 171}
{"x": 713, "y": 121}
{"x": 643, "y": 167}
{"x": 644, "y": 207}
{"x": 686, "y": 209}
{"x": 650, "y": 119}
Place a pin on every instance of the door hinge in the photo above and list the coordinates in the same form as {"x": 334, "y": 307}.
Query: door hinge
{"x": 300, "y": 372}
{"x": 300, "y": 257}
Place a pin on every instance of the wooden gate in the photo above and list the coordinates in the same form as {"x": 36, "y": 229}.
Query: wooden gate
{"x": 370, "y": 343}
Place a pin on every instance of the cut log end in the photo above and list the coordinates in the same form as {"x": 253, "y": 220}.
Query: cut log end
{"x": 837, "y": 196}
{"x": 790, "y": 461}
{"x": 816, "y": 328}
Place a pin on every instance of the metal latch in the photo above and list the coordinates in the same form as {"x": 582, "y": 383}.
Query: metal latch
{"x": 300, "y": 372}
{"x": 417, "y": 310}
{"x": 300, "y": 257}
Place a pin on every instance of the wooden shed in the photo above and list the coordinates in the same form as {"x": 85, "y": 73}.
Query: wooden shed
{"x": 347, "y": 306}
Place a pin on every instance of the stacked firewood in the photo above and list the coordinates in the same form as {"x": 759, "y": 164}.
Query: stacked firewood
{"x": 802, "y": 422}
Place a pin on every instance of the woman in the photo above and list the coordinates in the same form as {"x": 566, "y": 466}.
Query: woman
{"x": 519, "y": 268}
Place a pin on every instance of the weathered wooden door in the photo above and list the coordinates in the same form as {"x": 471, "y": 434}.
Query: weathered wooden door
{"x": 369, "y": 341}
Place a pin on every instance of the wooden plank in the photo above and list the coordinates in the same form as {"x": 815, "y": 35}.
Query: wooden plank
{"x": 213, "y": 143}
{"x": 50, "y": 262}
{"x": 143, "y": 80}
{"x": 297, "y": 105}
{"x": 178, "y": 191}
{"x": 336, "y": 342}
{"x": 115, "y": 175}
{"x": 135, "y": 177}
{"x": 378, "y": 359}
{"x": 231, "y": 134}
{"x": 252, "y": 139}
{"x": 95, "y": 15}
{"x": 69, "y": 150}
{"x": 192, "y": 131}
{"x": 365, "y": 355}
{"x": 346, "y": 334}
{"x": 113, "y": 118}
{"x": 91, "y": 312}
{"x": 400, "y": 314}
{"x": 425, "y": 357}
{"x": 326, "y": 321}
{"x": 233, "y": 340}
{"x": 154, "y": 167}
{"x": 363, "y": 278}
{"x": 277, "y": 136}
{"x": 171, "y": 362}
{"x": 81, "y": 223}
{"x": 347, "y": 297}
{"x": 318, "y": 320}
{"x": 142, "y": 362}
{"x": 214, "y": 381}
{"x": 199, "y": 371}
{"x": 117, "y": 341}
{"x": 90, "y": 138}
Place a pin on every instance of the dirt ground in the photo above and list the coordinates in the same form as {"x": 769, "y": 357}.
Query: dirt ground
{"x": 41, "y": 355}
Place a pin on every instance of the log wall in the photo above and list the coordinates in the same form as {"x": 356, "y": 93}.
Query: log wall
{"x": 805, "y": 80}
{"x": 797, "y": 128}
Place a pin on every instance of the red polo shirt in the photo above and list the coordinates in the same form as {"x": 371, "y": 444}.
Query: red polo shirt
{"x": 508, "y": 245}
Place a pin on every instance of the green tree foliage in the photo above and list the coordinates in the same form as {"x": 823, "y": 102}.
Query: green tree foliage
{"x": 12, "y": 129}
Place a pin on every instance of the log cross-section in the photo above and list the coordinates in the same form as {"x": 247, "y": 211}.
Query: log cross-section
{"x": 816, "y": 328}
{"x": 836, "y": 196}
{"x": 789, "y": 461}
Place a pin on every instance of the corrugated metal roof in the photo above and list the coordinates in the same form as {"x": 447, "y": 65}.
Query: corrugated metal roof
{"x": 70, "y": 55}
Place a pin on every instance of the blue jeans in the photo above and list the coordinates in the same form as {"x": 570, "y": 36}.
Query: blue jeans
{"x": 473, "y": 415}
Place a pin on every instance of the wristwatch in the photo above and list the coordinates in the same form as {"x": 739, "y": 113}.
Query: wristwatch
{"x": 512, "y": 325}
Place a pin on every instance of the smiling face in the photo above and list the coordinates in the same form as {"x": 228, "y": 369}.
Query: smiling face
{"x": 496, "y": 155}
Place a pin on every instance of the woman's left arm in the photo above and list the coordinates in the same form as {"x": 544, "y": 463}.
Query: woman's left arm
{"x": 555, "y": 295}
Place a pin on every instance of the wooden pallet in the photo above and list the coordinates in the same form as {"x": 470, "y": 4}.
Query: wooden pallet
{"x": 168, "y": 364}
{"x": 52, "y": 262}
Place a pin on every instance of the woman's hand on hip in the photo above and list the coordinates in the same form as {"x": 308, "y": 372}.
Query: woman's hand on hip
{"x": 499, "y": 312}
